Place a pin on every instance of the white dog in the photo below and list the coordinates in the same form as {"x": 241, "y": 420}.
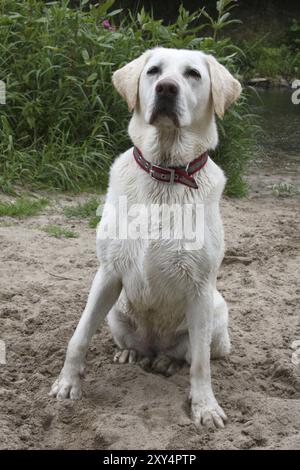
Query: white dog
{"x": 160, "y": 297}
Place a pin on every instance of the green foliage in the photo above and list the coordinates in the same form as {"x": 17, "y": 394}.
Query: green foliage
{"x": 63, "y": 122}
{"x": 293, "y": 36}
{"x": 238, "y": 133}
{"x": 223, "y": 18}
{"x": 59, "y": 125}
{"x": 94, "y": 221}
{"x": 263, "y": 60}
{"x": 59, "y": 232}
{"x": 22, "y": 207}
{"x": 85, "y": 210}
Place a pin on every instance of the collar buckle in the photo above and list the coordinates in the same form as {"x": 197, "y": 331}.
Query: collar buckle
{"x": 172, "y": 175}
{"x": 163, "y": 176}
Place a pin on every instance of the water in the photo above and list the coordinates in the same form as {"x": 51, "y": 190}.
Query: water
{"x": 278, "y": 158}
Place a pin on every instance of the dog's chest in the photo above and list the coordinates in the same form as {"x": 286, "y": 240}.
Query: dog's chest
{"x": 158, "y": 273}
{"x": 156, "y": 282}
{"x": 159, "y": 270}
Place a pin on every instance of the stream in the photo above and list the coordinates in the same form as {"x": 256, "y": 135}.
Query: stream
{"x": 278, "y": 155}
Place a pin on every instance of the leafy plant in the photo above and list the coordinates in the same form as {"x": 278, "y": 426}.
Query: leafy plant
{"x": 293, "y": 35}
{"x": 262, "y": 57}
{"x": 266, "y": 61}
{"x": 57, "y": 128}
{"x": 239, "y": 132}
{"x": 223, "y": 17}
{"x": 63, "y": 123}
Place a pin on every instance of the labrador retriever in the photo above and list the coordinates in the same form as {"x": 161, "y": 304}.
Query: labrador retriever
{"x": 159, "y": 296}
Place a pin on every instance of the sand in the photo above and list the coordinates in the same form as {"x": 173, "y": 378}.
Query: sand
{"x": 44, "y": 286}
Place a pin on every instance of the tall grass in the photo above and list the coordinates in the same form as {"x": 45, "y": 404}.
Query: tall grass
{"x": 63, "y": 123}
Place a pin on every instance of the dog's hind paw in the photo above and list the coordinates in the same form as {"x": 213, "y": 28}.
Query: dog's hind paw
{"x": 166, "y": 365}
{"x": 162, "y": 364}
{"x": 66, "y": 387}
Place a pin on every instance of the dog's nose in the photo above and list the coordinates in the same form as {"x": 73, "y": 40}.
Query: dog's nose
{"x": 166, "y": 88}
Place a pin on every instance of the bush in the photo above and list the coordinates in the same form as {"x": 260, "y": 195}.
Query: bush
{"x": 264, "y": 60}
{"x": 63, "y": 122}
{"x": 293, "y": 35}
{"x": 238, "y": 134}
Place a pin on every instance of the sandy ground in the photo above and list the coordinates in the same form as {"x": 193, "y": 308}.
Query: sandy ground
{"x": 44, "y": 286}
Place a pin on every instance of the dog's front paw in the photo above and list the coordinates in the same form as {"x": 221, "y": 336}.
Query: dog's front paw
{"x": 67, "y": 386}
{"x": 125, "y": 356}
{"x": 208, "y": 414}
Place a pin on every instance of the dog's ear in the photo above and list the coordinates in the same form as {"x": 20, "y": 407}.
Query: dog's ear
{"x": 225, "y": 88}
{"x": 126, "y": 79}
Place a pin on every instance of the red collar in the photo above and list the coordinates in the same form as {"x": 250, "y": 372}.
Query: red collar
{"x": 171, "y": 175}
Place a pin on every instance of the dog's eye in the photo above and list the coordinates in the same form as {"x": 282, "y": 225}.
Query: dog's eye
{"x": 193, "y": 73}
{"x": 153, "y": 70}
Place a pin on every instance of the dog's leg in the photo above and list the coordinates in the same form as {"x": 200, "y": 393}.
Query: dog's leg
{"x": 220, "y": 344}
{"x": 104, "y": 293}
{"x": 205, "y": 408}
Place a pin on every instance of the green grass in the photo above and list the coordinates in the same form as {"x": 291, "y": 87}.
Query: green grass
{"x": 94, "y": 221}
{"x": 59, "y": 232}
{"x": 85, "y": 210}
{"x": 22, "y": 207}
{"x": 82, "y": 210}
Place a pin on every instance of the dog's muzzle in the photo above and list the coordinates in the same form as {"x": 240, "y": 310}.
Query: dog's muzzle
{"x": 166, "y": 94}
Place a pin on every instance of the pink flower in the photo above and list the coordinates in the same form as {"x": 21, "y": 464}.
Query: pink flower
{"x": 106, "y": 25}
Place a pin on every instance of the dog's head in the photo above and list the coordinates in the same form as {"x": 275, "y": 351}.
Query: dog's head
{"x": 171, "y": 87}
